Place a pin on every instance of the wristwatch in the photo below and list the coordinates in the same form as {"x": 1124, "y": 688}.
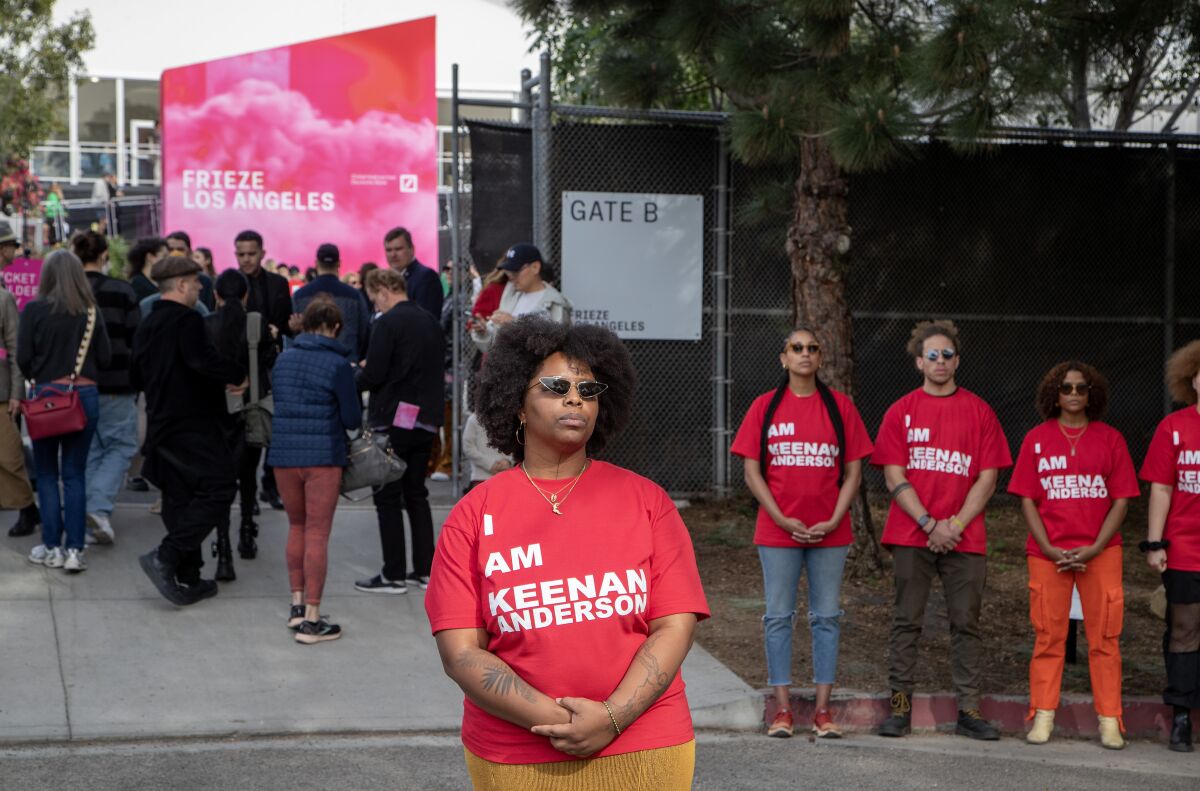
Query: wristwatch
{"x": 924, "y": 520}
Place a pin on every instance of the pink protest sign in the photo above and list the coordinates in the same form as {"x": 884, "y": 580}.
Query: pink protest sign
{"x": 22, "y": 278}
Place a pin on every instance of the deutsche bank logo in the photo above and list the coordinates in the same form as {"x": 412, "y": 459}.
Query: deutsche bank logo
{"x": 408, "y": 182}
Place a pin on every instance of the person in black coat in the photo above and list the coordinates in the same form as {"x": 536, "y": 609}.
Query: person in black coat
{"x": 227, "y": 329}
{"x": 187, "y": 452}
{"x": 271, "y": 296}
{"x": 403, "y": 372}
{"x": 423, "y": 284}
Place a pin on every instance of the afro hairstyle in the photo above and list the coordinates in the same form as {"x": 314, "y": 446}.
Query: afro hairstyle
{"x": 516, "y": 355}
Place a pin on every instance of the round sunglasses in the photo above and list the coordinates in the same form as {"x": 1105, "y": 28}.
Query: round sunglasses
{"x": 933, "y": 354}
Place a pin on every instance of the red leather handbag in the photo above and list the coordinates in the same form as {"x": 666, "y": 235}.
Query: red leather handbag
{"x": 57, "y": 411}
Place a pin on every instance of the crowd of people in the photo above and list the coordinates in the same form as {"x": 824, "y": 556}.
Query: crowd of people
{"x": 567, "y": 639}
{"x": 940, "y": 449}
{"x": 246, "y": 380}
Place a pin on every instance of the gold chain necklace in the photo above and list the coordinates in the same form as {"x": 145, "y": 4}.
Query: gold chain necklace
{"x": 1072, "y": 439}
{"x": 552, "y": 497}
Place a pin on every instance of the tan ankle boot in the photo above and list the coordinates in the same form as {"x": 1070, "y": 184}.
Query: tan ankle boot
{"x": 1043, "y": 724}
{"x": 1110, "y": 733}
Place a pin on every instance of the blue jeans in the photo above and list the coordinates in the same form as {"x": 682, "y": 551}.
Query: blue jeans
{"x": 113, "y": 448}
{"x": 71, "y": 512}
{"x": 782, "y": 567}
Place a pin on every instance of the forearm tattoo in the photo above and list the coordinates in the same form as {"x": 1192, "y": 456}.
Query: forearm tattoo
{"x": 653, "y": 684}
{"x": 499, "y": 678}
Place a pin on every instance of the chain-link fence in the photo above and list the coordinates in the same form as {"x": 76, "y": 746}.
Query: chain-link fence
{"x": 1042, "y": 247}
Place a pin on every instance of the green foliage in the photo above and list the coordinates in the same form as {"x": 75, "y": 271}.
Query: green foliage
{"x": 118, "y": 256}
{"x": 37, "y": 59}
{"x": 870, "y": 74}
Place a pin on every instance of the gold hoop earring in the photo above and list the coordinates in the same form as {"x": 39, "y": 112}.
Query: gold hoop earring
{"x": 520, "y": 433}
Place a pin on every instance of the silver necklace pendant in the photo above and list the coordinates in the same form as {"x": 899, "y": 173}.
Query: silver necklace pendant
{"x": 554, "y": 506}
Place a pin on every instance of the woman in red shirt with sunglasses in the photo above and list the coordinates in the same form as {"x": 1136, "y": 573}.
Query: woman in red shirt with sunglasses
{"x": 1074, "y": 477}
{"x": 803, "y": 446}
{"x": 564, "y": 593}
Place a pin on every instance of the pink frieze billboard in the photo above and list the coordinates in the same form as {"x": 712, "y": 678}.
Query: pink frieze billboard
{"x": 331, "y": 140}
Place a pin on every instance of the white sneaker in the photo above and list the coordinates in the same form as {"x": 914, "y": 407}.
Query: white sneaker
{"x": 53, "y": 558}
{"x": 74, "y": 562}
{"x": 101, "y": 528}
{"x": 439, "y": 476}
{"x": 38, "y": 554}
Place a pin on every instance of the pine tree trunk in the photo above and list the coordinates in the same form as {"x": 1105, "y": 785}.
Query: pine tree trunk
{"x": 818, "y": 245}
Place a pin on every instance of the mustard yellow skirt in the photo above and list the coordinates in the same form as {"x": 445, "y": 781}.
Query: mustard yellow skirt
{"x": 664, "y": 769}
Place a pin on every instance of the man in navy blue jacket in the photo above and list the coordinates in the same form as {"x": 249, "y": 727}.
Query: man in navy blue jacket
{"x": 424, "y": 285}
{"x": 356, "y": 317}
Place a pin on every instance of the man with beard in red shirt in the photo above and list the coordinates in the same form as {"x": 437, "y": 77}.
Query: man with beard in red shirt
{"x": 941, "y": 449}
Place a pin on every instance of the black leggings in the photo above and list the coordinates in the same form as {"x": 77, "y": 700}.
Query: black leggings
{"x": 1181, "y": 642}
{"x": 248, "y": 460}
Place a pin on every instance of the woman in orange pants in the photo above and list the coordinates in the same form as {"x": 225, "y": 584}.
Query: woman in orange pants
{"x": 1074, "y": 477}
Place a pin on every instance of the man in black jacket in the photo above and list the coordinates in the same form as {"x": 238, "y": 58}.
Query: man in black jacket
{"x": 403, "y": 372}
{"x": 187, "y": 455}
{"x": 424, "y": 285}
{"x": 115, "y": 442}
{"x": 271, "y": 296}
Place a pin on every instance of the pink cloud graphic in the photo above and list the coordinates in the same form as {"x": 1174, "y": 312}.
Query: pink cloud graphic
{"x": 256, "y": 125}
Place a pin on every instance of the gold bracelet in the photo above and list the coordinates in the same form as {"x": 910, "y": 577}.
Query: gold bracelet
{"x": 954, "y": 520}
{"x": 608, "y": 708}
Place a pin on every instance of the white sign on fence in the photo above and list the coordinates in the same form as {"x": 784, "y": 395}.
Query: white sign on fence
{"x": 634, "y": 262}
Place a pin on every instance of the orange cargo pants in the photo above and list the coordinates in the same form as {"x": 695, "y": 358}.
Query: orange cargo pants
{"x": 1103, "y": 601}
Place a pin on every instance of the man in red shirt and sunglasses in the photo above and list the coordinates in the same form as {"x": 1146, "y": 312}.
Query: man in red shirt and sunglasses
{"x": 941, "y": 449}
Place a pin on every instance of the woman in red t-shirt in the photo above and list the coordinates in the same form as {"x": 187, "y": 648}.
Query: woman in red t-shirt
{"x": 1074, "y": 477}
{"x": 1172, "y": 468}
{"x": 564, "y": 594}
{"x": 802, "y": 446}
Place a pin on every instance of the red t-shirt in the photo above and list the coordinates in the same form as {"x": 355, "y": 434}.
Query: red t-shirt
{"x": 1174, "y": 460}
{"x": 1073, "y": 493}
{"x": 566, "y": 600}
{"x": 943, "y": 442}
{"x": 803, "y": 469}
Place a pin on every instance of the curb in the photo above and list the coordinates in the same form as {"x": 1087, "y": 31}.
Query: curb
{"x": 861, "y": 712}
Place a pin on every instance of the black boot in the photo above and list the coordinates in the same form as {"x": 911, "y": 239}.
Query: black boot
{"x": 27, "y": 522}
{"x": 223, "y": 552}
{"x": 900, "y": 723}
{"x": 247, "y": 548}
{"x": 1181, "y": 731}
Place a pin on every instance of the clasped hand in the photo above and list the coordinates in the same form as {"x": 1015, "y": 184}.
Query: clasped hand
{"x": 1072, "y": 559}
{"x": 943, "y": 537}
{"x": 589, "y": 731}
{"x": 806, "y": 534}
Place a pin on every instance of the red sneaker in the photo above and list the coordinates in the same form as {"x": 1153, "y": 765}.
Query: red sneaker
{"x": 823, "y": 725}
{"x": 781, "y": 726}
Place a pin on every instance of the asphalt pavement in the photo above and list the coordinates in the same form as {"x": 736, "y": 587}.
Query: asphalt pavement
{"x": 724, "y": 762}
{"x": 101, "y": 655}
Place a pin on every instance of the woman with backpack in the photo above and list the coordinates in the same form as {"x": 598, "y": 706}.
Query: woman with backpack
{"x": 803, "y": 446}
{"x": 228, "y": 330}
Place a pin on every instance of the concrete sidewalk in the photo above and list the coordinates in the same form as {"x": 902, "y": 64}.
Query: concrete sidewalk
{"x": 101, "y": 655}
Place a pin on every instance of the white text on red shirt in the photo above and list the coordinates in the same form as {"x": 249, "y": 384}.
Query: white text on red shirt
{"x": 939, "y": 460}
{"x": 536, "y": 605}
{"x": 1075, "y": 487}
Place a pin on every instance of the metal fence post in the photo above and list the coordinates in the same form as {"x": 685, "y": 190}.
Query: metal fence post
{"x": 1169, "y": 271}
{"x": 526, "y": 96}
{"x": 541, "y": 158}
{"x": 455, "y": 296}
{"x": 721, "y": 323}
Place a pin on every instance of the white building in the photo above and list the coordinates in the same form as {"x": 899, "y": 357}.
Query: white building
{"x": 108, "y": 124}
